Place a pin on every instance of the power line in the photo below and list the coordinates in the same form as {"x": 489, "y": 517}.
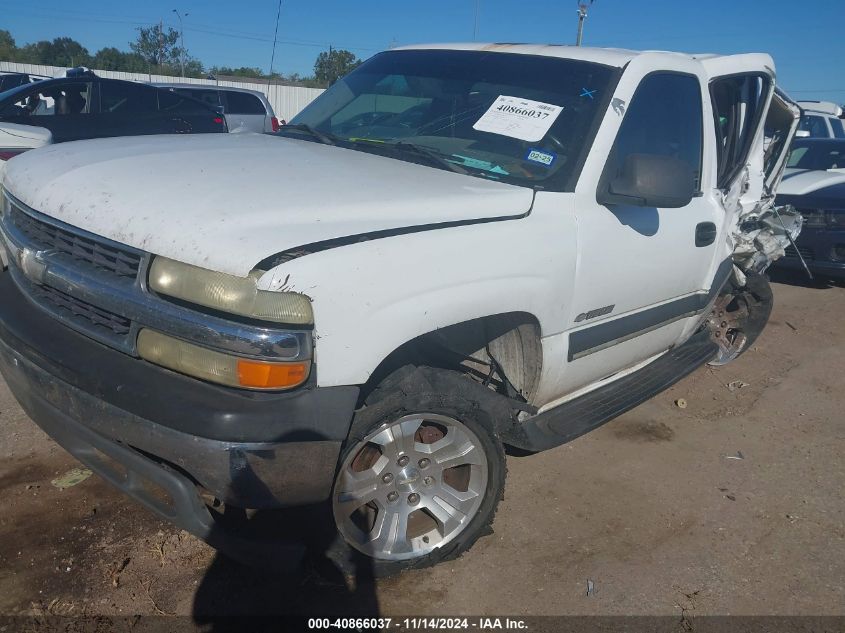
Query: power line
{"x": 275, "y": 35}
{"x": 196, "y": 28}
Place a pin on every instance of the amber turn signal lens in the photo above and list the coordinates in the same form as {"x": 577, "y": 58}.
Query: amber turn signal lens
{"x": 257, "y": 375}
{"x": 214, "y": 366}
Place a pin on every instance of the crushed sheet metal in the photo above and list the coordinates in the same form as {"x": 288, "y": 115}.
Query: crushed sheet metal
{"x": 763, "y": 235}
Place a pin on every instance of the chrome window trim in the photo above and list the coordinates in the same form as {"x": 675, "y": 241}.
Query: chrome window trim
{"x": 131, "y": 299}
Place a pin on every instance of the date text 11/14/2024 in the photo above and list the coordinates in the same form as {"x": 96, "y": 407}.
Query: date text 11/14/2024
{"x": 417, "y": 624}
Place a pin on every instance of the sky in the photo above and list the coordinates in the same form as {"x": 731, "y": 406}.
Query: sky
{"x": 805, "y": 39}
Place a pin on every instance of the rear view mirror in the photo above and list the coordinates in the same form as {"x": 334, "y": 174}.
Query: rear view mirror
{"x": 649, "y": 180}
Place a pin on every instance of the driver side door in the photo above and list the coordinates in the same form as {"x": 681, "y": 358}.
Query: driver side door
{"x": 643, "y": 271}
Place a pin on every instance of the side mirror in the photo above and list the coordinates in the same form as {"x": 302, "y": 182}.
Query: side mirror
{"x": 648, "y": 180}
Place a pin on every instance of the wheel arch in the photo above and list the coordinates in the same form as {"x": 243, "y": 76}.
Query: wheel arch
{"x": 510, "y": 342}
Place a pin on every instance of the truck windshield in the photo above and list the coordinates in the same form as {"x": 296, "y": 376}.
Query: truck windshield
{"x": 524, "y": 119}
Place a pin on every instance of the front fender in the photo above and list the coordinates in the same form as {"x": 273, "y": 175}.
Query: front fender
{"x": 371, "y": 297}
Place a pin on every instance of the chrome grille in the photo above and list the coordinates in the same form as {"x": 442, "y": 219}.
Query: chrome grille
{"x": 90, "y": 316}
{"x": 98, "y": 253}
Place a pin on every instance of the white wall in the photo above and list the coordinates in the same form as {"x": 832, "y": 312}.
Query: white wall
{"x": 287, "y": 101}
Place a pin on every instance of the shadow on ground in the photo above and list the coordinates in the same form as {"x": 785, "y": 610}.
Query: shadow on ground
{"x": 300, "y": 570}
{"x": 801, "y": 279}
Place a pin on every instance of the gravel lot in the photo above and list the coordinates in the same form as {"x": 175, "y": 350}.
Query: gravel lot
{"x": 652, "y": 509}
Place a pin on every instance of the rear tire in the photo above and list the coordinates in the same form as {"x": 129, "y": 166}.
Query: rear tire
{"x": 739, "y": 317}
{"x": 420, "y": 476}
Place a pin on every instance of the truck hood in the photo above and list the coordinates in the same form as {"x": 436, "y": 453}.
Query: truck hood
{"x": 228, "y": 201}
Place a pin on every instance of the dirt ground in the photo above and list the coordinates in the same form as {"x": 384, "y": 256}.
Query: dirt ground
{"x": 732, "y": 505}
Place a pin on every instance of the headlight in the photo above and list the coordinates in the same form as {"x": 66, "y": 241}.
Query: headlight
{"x": 227, "y": 293}
{"x": 225, "y": 369}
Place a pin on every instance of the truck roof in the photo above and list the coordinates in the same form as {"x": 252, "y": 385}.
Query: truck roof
{"x": 617, "y": 57}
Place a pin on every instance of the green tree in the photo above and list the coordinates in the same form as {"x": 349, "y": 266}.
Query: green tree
{"x": 8, "y": 48}
{"x": 333, "y": 64}
{"x": 62, "y": 51}
{"x": 243, "y": 71}
{"x": 157, "y": 46}
{"x": 110, "y": 58}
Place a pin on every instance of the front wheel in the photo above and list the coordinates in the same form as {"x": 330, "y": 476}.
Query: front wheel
{"x": 421, "y": 475}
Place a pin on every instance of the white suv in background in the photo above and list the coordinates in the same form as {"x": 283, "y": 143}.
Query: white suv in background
{"x": 244, "y": 109}
{"x": 822, "y": 119}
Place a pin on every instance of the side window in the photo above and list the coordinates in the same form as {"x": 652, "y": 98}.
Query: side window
{"x": 815, "y": 125}
{"x": 27, "y": 103}
{"x": 795, "y": 156}
{"x": 123, "y": 97}
{"x": 174, "y": 103}
{"x": 53, "y": 100}
{"x": 243, "y": 103}
{"x": 738, "y": 104}
{"x": 838, "y": 128}
{"x": 209, "y": 97}
{"x": 664, "y": 118}
{"x": 7, "y": 82}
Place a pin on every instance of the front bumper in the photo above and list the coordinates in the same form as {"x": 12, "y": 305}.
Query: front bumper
{"x": 142, "y": 427}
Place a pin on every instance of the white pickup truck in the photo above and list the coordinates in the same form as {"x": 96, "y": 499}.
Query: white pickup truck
{"x": 452, "y": 250}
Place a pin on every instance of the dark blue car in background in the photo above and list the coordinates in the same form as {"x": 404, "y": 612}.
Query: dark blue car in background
{"x": 814, "y": 182}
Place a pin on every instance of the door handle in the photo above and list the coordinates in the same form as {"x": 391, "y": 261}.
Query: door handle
{"x": 705, "y": 234}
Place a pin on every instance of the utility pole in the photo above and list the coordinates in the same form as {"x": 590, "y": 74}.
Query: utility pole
{"x": 582, "y": 15}
{"x": 475, "y": 23}
{"x": 160, "y": 42}
{"x": 182, "y": 38}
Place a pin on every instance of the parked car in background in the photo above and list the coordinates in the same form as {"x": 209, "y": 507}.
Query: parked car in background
{"x": 83, "y": 105}
{"x": 821, "y": 119}
{"x": 13, "y": 80}
{"x": 244, "y": 109}
{"x": 16, "y": 139}
{"x": 814, "y": 183}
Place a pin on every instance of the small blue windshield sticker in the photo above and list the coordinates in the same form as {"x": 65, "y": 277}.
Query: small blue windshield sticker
{"x": 585, "y": 92}
{"x": 477, "y": 163}
{"x": 537, "y": 156}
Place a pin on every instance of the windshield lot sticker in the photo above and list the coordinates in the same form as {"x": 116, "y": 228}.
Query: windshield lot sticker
{"x": 518, "y": 118}
{"x": 539, "y": 156}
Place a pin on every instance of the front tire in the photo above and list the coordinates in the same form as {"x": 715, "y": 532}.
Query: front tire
{"x": 421, "y": 474}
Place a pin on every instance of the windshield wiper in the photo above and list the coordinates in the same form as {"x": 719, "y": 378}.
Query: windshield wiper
{"x": 324, "y": 138}
{"x": 432, "y": 155}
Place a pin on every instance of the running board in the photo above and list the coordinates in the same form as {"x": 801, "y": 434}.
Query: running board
{"x": 572, "y": 419}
